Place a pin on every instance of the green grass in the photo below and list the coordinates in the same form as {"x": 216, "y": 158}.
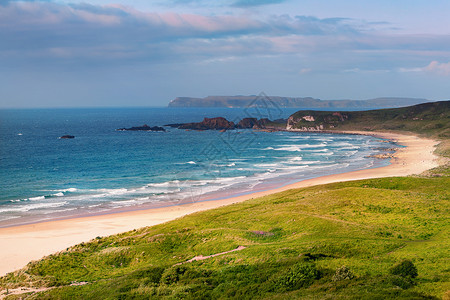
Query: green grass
{"x": 296, "y": 240}
{"x": 428, "y": 119}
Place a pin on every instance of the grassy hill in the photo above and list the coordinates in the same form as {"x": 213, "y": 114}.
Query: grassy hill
{"x": 295, "y": 243}
{"x": 354, "y": 240}
{"x": 431, "y": 119}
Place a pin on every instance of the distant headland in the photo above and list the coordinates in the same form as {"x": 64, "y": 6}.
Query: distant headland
{"x": 429, "y": 118}
{"x": 300, "y": 102}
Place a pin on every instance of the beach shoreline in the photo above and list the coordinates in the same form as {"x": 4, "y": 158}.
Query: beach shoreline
{"x": 24, "y": 243}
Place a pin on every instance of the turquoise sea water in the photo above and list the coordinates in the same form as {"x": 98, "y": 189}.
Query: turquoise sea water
{"x": 101, "y": 170}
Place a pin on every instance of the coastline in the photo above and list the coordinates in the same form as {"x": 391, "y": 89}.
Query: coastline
{"x": 21, "y": 244}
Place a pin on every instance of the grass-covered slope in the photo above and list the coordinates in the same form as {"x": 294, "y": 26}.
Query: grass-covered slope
{"x": 296, "y": 244}
{"x": 431, "y": 119}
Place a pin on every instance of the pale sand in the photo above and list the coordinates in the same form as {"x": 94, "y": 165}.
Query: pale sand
{"x": 22, "y": 244}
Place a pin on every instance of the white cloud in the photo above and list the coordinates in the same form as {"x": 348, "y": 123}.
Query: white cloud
{"x": 435, "y": 67}
{"x": 438, "y": 68}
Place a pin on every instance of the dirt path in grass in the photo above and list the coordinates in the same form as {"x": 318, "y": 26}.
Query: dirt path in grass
{"x": 22, "y": 290}
{"x": 201, "y": 257}
{"x": 26, "y": 290}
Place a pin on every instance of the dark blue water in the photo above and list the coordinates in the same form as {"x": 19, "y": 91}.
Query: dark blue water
{"x": 43, "y": 177}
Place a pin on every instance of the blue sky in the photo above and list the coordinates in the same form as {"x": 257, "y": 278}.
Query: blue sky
{"x": 145, "y": 53}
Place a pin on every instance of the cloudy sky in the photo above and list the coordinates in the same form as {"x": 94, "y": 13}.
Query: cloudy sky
{"x": 64, "y": 53}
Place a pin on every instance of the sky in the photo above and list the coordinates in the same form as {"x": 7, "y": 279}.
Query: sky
{"x": 95, "y": 53}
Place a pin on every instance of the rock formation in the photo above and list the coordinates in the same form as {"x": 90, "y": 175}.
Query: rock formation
{"x": 218, "y": 123}
{"x": 247, "y": 123}
{"x": 144, "y": 127}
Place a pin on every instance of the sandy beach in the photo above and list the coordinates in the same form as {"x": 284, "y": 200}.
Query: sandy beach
{"x": 21, "y": 244}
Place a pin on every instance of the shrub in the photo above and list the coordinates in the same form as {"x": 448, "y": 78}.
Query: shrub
{"x": 402, "y": 282}
{"x": 172, "y": 274}
{"x": 405, "y": 268}
{"x": 343, "y": 273}
{"x": 300, "y": 275}
{"x": 313, "y": 257}
{"x": 148, "y": 275}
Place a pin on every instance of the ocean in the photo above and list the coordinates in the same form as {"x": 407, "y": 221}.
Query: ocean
{"x": 103, "y": 170}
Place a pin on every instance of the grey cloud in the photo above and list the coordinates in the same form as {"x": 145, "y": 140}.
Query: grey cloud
{"x": 87, "y": 35}
{"x": 225, "y": 3}
{"x": 251, "y": 3}
{"x": 49, "y": 25}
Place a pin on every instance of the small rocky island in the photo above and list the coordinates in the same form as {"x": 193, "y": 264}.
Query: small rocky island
{"x": 144, "y": 127}
{"x": 221, "y": 123}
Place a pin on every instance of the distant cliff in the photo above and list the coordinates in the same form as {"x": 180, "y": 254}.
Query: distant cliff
{"x": 305, "y": 102}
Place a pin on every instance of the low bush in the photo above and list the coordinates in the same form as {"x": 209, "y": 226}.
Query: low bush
{"x": 298, "y": 276}
{"x": 343, "y": 273}
{"x": 402, "y": 282}
{"x": 172, "y": 275}
{"x": 405, "y": 268}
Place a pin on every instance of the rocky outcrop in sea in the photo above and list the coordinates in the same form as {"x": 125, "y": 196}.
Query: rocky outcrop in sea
{"x": 144, "y": 127}
{"x": 209, "y": 123}
{"x": 221, "y": 123}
